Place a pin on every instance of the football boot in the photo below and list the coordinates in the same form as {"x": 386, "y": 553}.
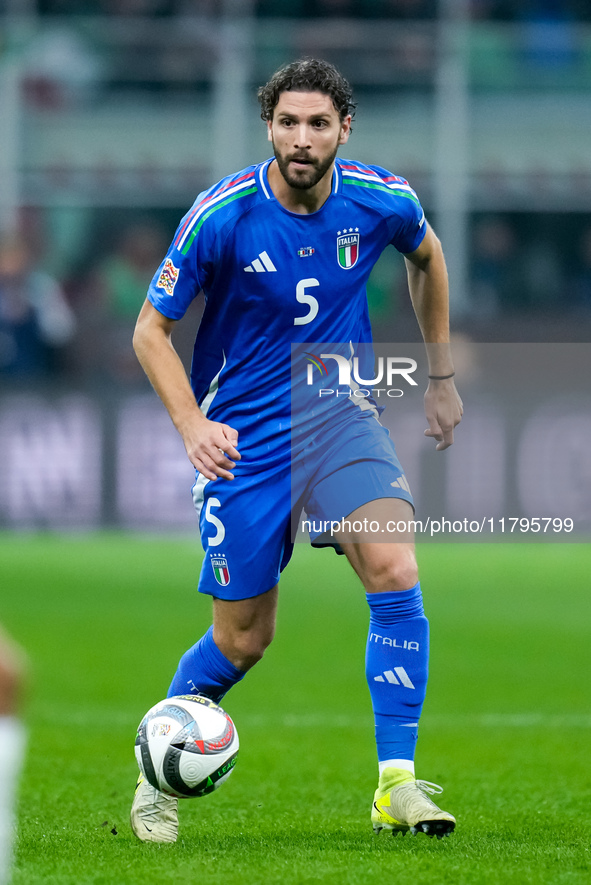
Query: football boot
{"x": 401, "y": 803}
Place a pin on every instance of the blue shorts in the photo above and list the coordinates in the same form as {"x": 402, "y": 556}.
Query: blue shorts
{"x": 247, "y": 524}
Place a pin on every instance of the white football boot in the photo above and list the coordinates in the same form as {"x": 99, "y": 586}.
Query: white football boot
{"x": 154, "y": 816}
{"x": 401, "y": 804}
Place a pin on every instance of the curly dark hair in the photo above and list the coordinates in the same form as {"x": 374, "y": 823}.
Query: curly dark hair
{"x": 307, "y": 75}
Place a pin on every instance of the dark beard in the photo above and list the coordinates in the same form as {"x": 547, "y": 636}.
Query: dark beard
{"x": 305, "y": 180}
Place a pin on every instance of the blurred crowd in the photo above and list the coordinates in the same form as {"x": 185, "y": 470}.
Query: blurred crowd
{"x": 78, "y": 326}
{"x": 79, "y": 50}
{"x": 500, "y": 10}
{"x": 36, "y": 319}
{"x": 494, "y": 9}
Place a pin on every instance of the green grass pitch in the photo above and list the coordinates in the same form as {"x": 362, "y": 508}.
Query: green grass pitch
{"x": 505, "y": 730}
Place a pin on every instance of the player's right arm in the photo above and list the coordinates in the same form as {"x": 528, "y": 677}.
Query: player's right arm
{"x": 211, "y": 446}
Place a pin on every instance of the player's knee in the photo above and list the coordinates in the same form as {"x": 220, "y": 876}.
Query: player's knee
{"x": 248, "y": 647}
{"x": 246, "y": 654}
{"x": 390, "y": 574}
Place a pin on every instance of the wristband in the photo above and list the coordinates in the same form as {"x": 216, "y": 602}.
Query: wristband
{"x": 441, "y": 377}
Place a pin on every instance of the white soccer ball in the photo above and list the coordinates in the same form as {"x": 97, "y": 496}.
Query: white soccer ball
{"x": 186, "y": 746}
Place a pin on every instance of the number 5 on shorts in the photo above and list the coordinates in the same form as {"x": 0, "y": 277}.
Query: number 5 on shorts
{"x": 210, "y": 517}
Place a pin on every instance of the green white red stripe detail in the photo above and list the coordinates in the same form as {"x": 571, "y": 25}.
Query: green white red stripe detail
{"x": 398, "y": 186}
{"x": 207, "y": 207}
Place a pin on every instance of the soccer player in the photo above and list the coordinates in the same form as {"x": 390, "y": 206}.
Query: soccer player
{"x": 12, "y": 742}
{"x": 282, "y": 252}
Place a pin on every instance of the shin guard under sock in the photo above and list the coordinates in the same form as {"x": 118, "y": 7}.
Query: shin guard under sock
{"x": 396, "y": 668}
{"x": 203, "y": 669}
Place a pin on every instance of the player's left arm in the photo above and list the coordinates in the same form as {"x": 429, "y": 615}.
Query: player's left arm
{"x": 429, "y": 292}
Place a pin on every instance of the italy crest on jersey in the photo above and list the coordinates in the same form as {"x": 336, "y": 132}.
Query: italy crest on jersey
{"x": 347, "y": 248}
{"x": 220, "y": 568}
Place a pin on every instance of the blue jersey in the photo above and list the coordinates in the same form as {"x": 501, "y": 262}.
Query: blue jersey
{"x": 274, "y": 280}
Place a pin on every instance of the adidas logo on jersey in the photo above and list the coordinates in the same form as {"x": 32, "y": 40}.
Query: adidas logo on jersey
{"x": 399, "y": 676}
{"x": 262, "y": 264}
{"x": 401, "y": 483}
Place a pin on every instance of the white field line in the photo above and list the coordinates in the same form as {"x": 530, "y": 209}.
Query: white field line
{"x": 435, "y": 720}
{"x": 117, "y": 718}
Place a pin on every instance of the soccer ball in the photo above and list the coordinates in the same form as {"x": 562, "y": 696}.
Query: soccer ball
{"x": 186, "y": 746}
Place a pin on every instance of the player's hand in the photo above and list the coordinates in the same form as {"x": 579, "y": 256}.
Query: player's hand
{"x": 211, "y": 448}
{"x": 444, "y": 410}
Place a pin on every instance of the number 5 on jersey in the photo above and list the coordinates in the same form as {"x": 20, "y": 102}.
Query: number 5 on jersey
{"x": 303, "y": 297}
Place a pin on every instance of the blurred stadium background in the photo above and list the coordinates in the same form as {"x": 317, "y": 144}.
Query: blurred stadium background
{"x": 114, "y": 115}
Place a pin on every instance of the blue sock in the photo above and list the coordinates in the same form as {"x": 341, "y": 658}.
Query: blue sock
{"x": 397, "y": 661}
{"x": 205, "y": 670}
